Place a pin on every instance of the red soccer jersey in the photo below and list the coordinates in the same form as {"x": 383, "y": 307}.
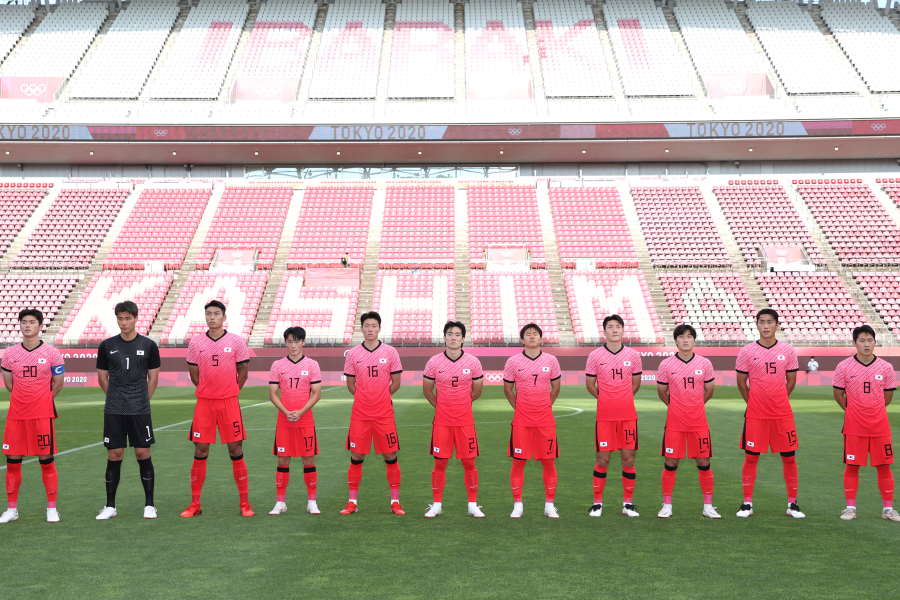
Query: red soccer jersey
{"x": 686, "y": 379}
{"x": 218, "y": 360}
{"x": 866, "y": 414}
{"x": 453, "y": 382}
{"x": 294, "y": 380}
{"x": 766, "y": 370}
{"x": 613, "y": 370}
{"x": 372, "y": 370}
{"x": 32, "y": 373}
{"x": 532, "y": 377}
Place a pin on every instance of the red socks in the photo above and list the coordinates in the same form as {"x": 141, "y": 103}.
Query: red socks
{"x": 198, "y": 476}
{"x": 748, "y": 475}
{"x": 791, "y": 476}
{"x": 470, "y": 476}
{"x": 851, "y": 483}
{"x": 392, "y": 468}
{"x": 51, "y": 480}
{"x": 669, "y": 476}
{"x": 239, "y": 470}
{"x": 886, "y": 485}
{"x": 282, "y": 479}
{"x": 599, "y": 483}
{"x": 13, "y": 481}
{"x": 550, "y": 478}
{"x": 517, "y": 478}
{"x": 354, "y": 476}
{"x": 629, "y": 477}
{"x": 707, "y": 481}
{"x": 311, "y": 479}
{"x": 438, "y": 478}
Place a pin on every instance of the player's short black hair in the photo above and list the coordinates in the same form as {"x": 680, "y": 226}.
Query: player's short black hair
{"x": 767, "y": 311}
{"x": 370, "y": 315}
{"x": 214, "y": 304}
{"x": 32, "y": 312}
{"x": 458, "y": 324}
{"x": 126, "y": 307}
{"x": 525, "y": 329}
{"x": 861, "y": 330}
{"x": 613, "y": 318}
{"x": 298, "y": 332}
{"x": 683, "y": 329}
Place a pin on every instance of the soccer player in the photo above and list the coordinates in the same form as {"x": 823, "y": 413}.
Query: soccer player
{"x": 295, "y": 385}
{"x": 128, "y": 373}
{"x": 613, "y": 377}
{"x": 531, "y": 385}
{"x": 218, "y": 362}
{"x": 766, "y": 375}
{"x": 34, "y": 374}
{"x": 863, "y": 386}
{"x": 373, "y": 372}
{"x": 458, "y": 380}
{"x": 685, "y": 383}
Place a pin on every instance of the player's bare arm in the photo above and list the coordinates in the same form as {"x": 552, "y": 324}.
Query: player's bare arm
{"x": 662, "y": 392}
{"x": 635, "y": 383}
{"x": 275, "y": 399}
{"x": 554, "y": 390}
{"x": 395, "y": 383}
{"x": 742, "y": 386}
{"x": 428, "y": 391}
{"x": 477, "y": 388}
{"x": 103, "y": 379}
{"x": 791, "y": 381}
{"x": 194, "y": 371}
{"x": 351, "y": 384}
{"x": 590, "y": 382}
{"x": 888, "y": 396}
{"x": 509, "y": 390}
{"x": 152, "y": 382}
{"x": 840, "y": 396}
{"x": 8, "y": 380}
{"x": 315, "y": 392}
{"x": 243, "y": 369}
{"x": 57, "y": 385}
{"x": 709, "y": 388}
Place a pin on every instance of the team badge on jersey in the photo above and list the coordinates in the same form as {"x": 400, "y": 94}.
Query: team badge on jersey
{"x": 517, "y": 450}
{"x": 545, "y": 369}
{"x": 227, "y": 348}
{"x": 670, "y": 450}
{"x": 382, "y": 360}
{"x": 436, "y": 449}
{"x": 751, "y": 444}
{"x": 42, "y": 361}
{"x": 781, "y": 357}
{"x": 627, "y": 363}
{"x": 6, "y": 446}
{"x": 196, "y": 434}
{"x": 467, "y": 371}
{"x": 851, "y": 457}
{"x": 698, "y": 372}
{"x": 304, "y": 373}
{"x": 879, "y": 377}
{"x": 140, "y": 352}
{"x": 281, "y": 449}
{"x": 604, "y": 444}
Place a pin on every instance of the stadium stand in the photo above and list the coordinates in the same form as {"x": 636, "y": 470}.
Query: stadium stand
{"x": 418, "y": 227}
{"x": 590, "y": 225}
{"x": 882, "y": 288}
{"x": 504, "y": 216}
{"x": 14, "y": 20}
{"x": 422, "y": 53}
{"x": 17, "y": 203}
{"x": 92, "y": 319}
{"x": 328, "y": 312}
{"x": 71, "y": 232}
{"x": 240, "y": 292}
{"x": 593, "y": 295}
{"x": 717, "y": 304}
{"x": 678, "y": 227}
{"x": 334, "y": 220}
{"x": 414, "y": 305}
{"x": 866, "y": 36}
{"x": 501, "y": 303}
{"x": 496, "y": 51}
{"x": 45, "y": 292}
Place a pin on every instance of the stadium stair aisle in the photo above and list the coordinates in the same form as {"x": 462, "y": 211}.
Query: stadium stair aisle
{"x": 168, "y": 48}
{"x": 554, "y": 267}
{"x": 18, "y": 242}
{"x": 370, "y": 266}
{"x": 461, "y": 269}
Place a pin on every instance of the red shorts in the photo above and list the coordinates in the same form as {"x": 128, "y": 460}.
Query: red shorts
{"x": 610, "y": 436}
{"x": 538, "y": 443}
{"x": 363, "y": 433}
{"x": 29, "y": 437}
{"x": 222, "y": 414}
{"x": 778, "y": 434}
{"x": 445, "y": 438}
{"x": 295, "y": 441}
{"x": 686, "y": 444}
{"x": 858, "y": 447}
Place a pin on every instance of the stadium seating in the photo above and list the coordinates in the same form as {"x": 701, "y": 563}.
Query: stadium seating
{"x": 159, "y": 229}
{"x": 334, "y": 220}
{"x": 240, "y": 292}
{"x": 762, "y": 214}
{"x": 17, "y": 203}
{"x": 422, "y": 53}
{"x": 717, "y": 304}
{"x": 650, "y": 64}
{"x": 414, "y": 305}
{"x": 496, "y": 51}
{"x": 857, "y": 226}
{"x": 790, "y": 38}
{"x": 202, "y": 51}
{"x": 590, "y": 225}
{"x": 328, "y": 313}
{"x": 418, "y": 227}
{"x": 813, "y": 307}
{"x": 248, "y": 218}
{"x": 44, "y": 292}
{"x": 883, "y": 291}
{"x": 678, "y": 227}
{"x": 92, "y": 319}
{"x": 866, "y": 36}
{"x": 501, "y": 303}
{"x": 349, "y": 51}
{"x": 572, "y": 60}
{"x": 504, "y": 216}
{"x": 71, "y": 232}
{"x": 120, "y": 63}
{"x": 14, "y": 20}
{"x": 592, "y": 296}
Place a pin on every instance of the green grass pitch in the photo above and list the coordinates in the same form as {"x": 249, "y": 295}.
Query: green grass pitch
{"x": 374, "y": 554}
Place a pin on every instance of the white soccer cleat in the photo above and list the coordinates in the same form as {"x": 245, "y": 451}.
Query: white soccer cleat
{"x": 630, "y": 510}
{"x": 433, "y": 510}
{"x": 745, "y": 510}
{"x": 550, "y": 511}
{"x": 517, "y": 511}
{"x": 312, "y": 507}
{"x": 793, "y": 511}
{"x": 279, "y": 509}
{"x": 890, "y": 514}
{"x": 475, "y": 511}
{"x": 710, "y": 512}
{"x": 9, "y": 515}
{"x": 150, "y": 512}
{"x": 108, "y": 512}
{"x": 596, "y": 510}
{"x": 665, "y": 512}
{"x": 848, "y": 514}
{"x": 52, "y": 515}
